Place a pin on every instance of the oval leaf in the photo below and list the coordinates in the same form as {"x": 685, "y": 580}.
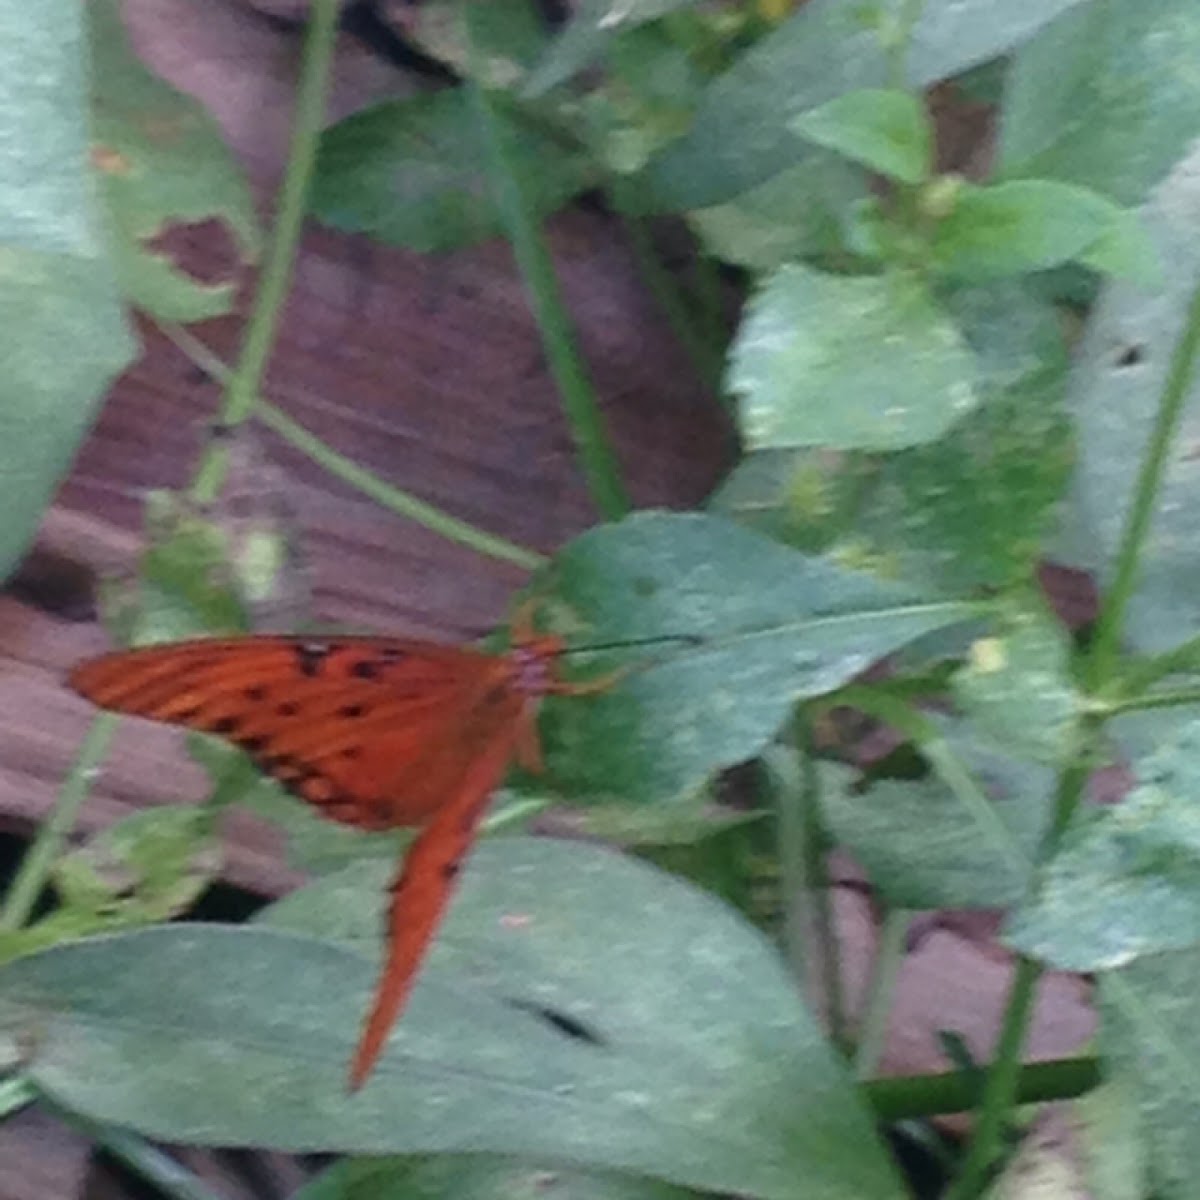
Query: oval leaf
{"x": 867, "y": 363}
{"x": 696, "y": 1062}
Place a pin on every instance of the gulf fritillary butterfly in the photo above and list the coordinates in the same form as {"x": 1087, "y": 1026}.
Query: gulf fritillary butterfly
{"x": 372, "y": 731}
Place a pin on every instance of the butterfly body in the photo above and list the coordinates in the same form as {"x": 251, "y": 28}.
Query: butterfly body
{"x": 374, "y": 732}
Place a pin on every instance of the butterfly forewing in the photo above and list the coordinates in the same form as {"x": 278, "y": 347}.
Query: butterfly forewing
{"x": 331, "y": 720}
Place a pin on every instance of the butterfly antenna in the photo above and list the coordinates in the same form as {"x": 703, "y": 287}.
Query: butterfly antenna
{"x": 688, "y": 639}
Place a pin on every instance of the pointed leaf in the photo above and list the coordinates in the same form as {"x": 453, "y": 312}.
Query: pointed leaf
{"x": 886, "y": 131}
{"x": 690, "y": 1058}
{"x": 767, "y": 626}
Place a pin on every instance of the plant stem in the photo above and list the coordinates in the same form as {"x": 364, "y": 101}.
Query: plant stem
{"x": 1175, "y": 698}
{"x": 1004, "y": 1074}
{"x": 577, "y": 395}
{"x": 246, "y": 381}
{"x": 707, "y": 356}
{"x": 42, "y": 854}
{"x": 1101, "y": 661}
{"x": 898, "y": 1098}
{"x": 148, "y": 1162}
{"x": 782, "y": 764}
{"x": 901, "y": 35}
{"x": 872, "y": 1034}
{"x": 395, "y": 499}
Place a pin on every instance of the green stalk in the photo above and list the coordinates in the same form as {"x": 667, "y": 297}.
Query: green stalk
{"x": 146, "y": 1161}
{"x": 1175, "y": 698}
{"x": 1004, "y": 1074}
{"x": 246, "y": 382}
{"x": 707, "y": 356}
{"x": 577, "y": 395}
{"x": 898, "y": 1098}
{"x": 1101, "y": 662}
{"x": 395, "y": 499}
{"x": 872, "y": 1034}
{"x": 42, "y": 854}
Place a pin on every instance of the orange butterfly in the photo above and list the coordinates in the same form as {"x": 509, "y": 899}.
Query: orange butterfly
{"x": 375, "y": 732}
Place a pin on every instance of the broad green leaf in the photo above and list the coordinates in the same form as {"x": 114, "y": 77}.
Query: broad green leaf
{"x": 926, "y": 845}
{"x": 863, "y": 363}
{"x": 504, "y": 41}
{"x": 1110, "y": 1141}
{"x": 161, "y": 163}
{"x": 1115, "y": 392}
{"x": 1150, "y": 1040}
{"x": 887, "y": 131}
{"x": 1125, "y": 881}
{"x": 64, "y": 333}
{"x": 1016, "y": 689}
{"x": 477, "y": 1177}
{"x": 976, "y": 507}
{"x": 768, "y": 626}
{"x": 605, "y": 1015}
{"x": 593, "y": 25}
{"x": 742, "y": 133}
{"x": 1106, "y": 96}
{"x": 798, "y": 214}
{"x": 412, "y": 172}
{"x": 1019, "y": 227}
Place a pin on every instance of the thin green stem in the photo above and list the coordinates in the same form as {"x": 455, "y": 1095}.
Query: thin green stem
{"x": 1184, "y": 658}
{"x": 707, "y": 355}
{"x": 246, "y": 382}
{"x": 1004, "y": 1074}
{"x": 786, "y": 787}
{"x": 899, "y": 1098}
{"x": 812, "y": 844}
{"x": 902, "y": 31}
{"x": 533, "y": 259}
{"x": 872, "y": 1034}
{"x": 146, "y": 1161}
{"x": 41, "y": 856}
{"x": 1175, "y": 698}
{"x": 1101, "y": 660}
{"x": 394, "y": 499}
{"x": 894, "y": 711}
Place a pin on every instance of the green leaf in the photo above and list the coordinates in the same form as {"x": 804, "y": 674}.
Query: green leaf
{"x": 742, "y": 132}
{"x": 1106, "y": 96}
{"x": 1019, "y": 227}
{"x": 887, "y": 131}
{"x": 477, "y": 1177}
{"x": 1110, "y": 1141}
{"x": 798, "y": 214}
{"x": 1115, "y": 391}
{"x": 867, "y": 362}
{"x": 1017, "y": 690}
{"x": 185, "y": 584}
{"x": 1151, "y": 1044}
{"x": 57, "y": 289}
{"x": 692, "y": 1062}
{"x": 975, "y": 508}
{"x": 926, "y": 845}
{"x": 147, "y": 867}
{"x": 505, "y": 39}
{"x": 412, "y": 172}
{"x": 768, "y": 627}
{"x": 1125, "y": 881}
{"x": 161, "y": 162}
{"x": 593, "y": 25}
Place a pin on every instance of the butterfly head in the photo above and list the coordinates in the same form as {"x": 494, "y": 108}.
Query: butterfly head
{"x": 534, "y": 662}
